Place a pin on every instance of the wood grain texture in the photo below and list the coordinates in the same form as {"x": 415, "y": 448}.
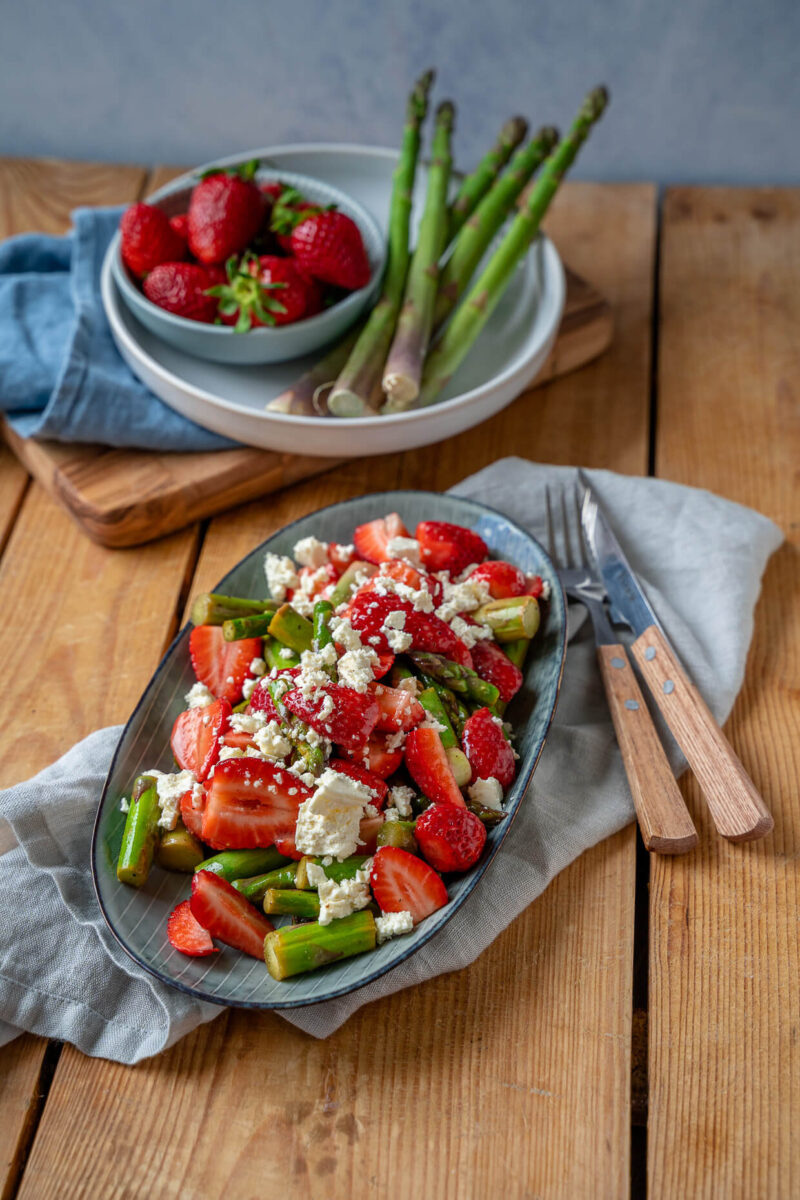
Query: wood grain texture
{"x": 736, "y": 808}
{"x": 661, "y": 811}
{"x": 725, "y": 963}
{"x": 509, "y": 1078}
{"x": 13, "y": 481}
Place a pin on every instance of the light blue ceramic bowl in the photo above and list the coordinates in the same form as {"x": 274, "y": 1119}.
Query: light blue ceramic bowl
{"x": 219, "y": 343}
{"x": 138, "y": 919}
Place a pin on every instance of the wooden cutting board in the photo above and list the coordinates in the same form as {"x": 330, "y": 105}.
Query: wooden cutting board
{"x": 126, "y": 497}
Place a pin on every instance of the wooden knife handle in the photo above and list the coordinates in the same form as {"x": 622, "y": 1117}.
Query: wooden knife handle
{"x": 736, "y": 808}
{"x": 664, "y": 819}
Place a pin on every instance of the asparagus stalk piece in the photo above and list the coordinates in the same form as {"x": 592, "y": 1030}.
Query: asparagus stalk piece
{"x": 475, "y": 310}
{"x": 298, "y": 948}
{"x": 235, "y": 629}
{"x": 279, "y": 656}
{"x": 179, "y": 850}
{"x": 291, "y": 903}
{"x": 241, "y": 864}
{"x": 456, "y": 677}
{"x": 255, "y": 886}
{"x": 140, "y": 835}
{"x": 349, "y": 580}
{"x": 307, "y": 396}
{"x": 432, "y": 702}
{"x": 358, "y": 385}
{"x": 510, "y": 619}
{"x": 475, "y": 186}
{"x": 348, "y": 868}
{"x": 292, "y": 629}
{"x": 459, "y": 765}
{"x": 516, "y": 650}
{"x": 403, "y": 370}
{"x": 489, "y": 816}
{"x": 321, "y": 619}
{"x": 398, "y": 833}
{"x": 209, "y": 608}
{"x": 454, "y": 705}
{"x": 399, "y": 672}
{"x": 474, "y": 239}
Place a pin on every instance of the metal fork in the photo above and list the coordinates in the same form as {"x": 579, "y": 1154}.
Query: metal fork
{"x": 663, "y": 817}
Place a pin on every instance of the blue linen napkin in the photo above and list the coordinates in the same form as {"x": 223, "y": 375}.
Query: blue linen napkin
{"x": 62, "y": 377}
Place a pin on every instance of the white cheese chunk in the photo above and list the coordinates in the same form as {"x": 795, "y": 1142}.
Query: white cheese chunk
{"x": 281, "y": 575}
{"x": 406, "y": 548}
{"x": 199, "y": 696}
{"x": 488, "y": 792}
{"x": 340, "y": 899}
{"x": 171, "y": 788}
{"x": 389, "y": 925}
{"x": 328, "y": 821}
{"x": 310, "y": 552}
{"x": 400, "y": 797}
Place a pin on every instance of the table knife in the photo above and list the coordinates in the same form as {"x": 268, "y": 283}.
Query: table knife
{"x": 736, "y": 807}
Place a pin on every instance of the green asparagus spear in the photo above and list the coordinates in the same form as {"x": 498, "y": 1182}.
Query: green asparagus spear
{"x": 179, "y": 850}
{"x": 455, "y": 707}
{"x": 510, "y": 619}
{"x": 475, "y": 186}
{"x": 474, "y": 239}
{"x": 140, "y": 835}
{"x": 292, "y": 629}
{"x": 432, "y": 702}
{"x": 307, "y": 396}
{"x": 298, "y": 948}
{"x": 459, "y": 765}
{"x": 474, "y": 311}
{"x": 348, "y": 868}
{"x": 209, "y": 608}
{"x": 399, "y": 672}
{"x": 359, "y": 381}
{"x": 403, "y": 370}
{"x": 349, "y": 579}
{"x": 321, "y": 635}
{"x": 247, "y": 627}
{"x": 254, "y": 886}
{"x": 398, "y": 833}
{"x": 516, "y": 650}
{"x": 291, "y": 903}
{"x": 241, "y": 864}
{"x": 458, "y": 678}
{"x": 277, "y": 656}
{"x": 489, "y": 816}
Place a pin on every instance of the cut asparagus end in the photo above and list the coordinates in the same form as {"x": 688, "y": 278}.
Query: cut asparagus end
{"x": 247, "y": 627}
{"x": 511, "y": 619}
{"x": 343, "y": 402}
{"x": 179, "y": 850}
{"x": 291, "y": 903}
{"x": 459, "y": 765}
{"x": 209, "y": 608}
{"x": 401, "y": 391}
{"x": 292, "y": 629}
{"x": 400, "y": 834}
{"x": 299, "y": 948}
{"x": 348, "y": 868}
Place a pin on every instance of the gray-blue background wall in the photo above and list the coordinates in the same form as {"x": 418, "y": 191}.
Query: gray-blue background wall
{"x": 702, "y": 89}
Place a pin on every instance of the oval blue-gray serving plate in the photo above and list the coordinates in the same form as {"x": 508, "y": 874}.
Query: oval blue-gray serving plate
{"x": 138, "y": 918}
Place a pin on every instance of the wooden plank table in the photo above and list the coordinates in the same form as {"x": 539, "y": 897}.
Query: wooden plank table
{"x": 616, "y": 1038}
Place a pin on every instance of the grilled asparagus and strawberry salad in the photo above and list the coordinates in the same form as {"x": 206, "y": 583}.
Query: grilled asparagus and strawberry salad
{"x": 249, "y": 254}
{"x": 344, "y": 747}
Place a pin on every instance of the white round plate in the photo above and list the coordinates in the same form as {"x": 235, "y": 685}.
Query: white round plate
{"x": 230, "y": 399}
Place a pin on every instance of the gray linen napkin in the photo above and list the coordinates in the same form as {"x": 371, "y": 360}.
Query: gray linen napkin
{"x": 62, "y": 974}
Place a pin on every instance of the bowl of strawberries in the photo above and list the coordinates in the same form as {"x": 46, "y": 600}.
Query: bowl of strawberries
{"x": 237, "y": 263}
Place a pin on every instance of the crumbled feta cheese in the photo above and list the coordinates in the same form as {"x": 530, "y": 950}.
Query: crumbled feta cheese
{"x": 401, "y": 796}
{"x": 230, "y": 752}
{"x": 470, "y": 634}
{"x": 303, "y": 603}
{"x": 171, "y": 788}
{"x": 286, "y": 652}
{"x": 328, "y": 821}
{"x": 397, "y": 640}
{"x": 395, "y": 740}
{"x": 355, "y": 668}
{"x": 310, "y": 552}
{"x": 546, "y": 590}
{"x": 340, "y": 899}
{"x": 199, "y": 696}
{"x": 248, "y": 722}
{"x": 419, "y": 599}
{"x": 463, "y": 597}
{"x": 306, "y": 777}
{"x": 430, "y": 722}
{"x": 487, "y": 792}
{"x": 281, "y": 575}
{"x": 406, "y": 548}
{"x": 389, "y": 925}
{"x": 314, "y": 675}
{"x": 258, "y": 666}
{"x": 124, "y": 806}
{"x": 271, "y": 741}
{"x": 248, "y": 687}
{"x": 391, "y": 814}
{"x": 326, "y": 708}
{"x": 230, "y": 679}
{"x": 409, "y": 684}
{"x": 343, "y": 633}
{"x": 309, "y": 584}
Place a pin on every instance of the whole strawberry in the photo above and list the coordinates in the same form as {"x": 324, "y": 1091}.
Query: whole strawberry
{"x": 485, "y": 745}
{"x": 225, "y": 213}
{"x": 262, "y": 291}
{"x": 180, "y": 224}
{"x": 181, "y": 288}
{"x": 289, "y": 208}
{"x": 328, "y": 245}
{"x": 148, "y": 238}
{"x": 450, "y": 838}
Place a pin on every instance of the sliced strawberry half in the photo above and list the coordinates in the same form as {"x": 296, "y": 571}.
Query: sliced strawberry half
{"x": 363, "y": 775}
{"x": 489, "y": 754}
{"x": 344, "y": 716}
{"x": 369, "y": 611}
{"x": 430, "y": 768}
{"x": 401, "y": 882}
{"x": 225, "y": 913}
{"x": 383, "y": 666}
{"x": 503, "y": 579}
{"x": 186, "y": 934}
{"x": 376, "y": 756}
{"x": 251, "y": 803}
{"x": 447, "y": 547}
{"x": 371, "y": 540}
{"x": 192, "y": 816}
{"x": 222, "y": 666}
{"x": 496, "y": 667}
{"x": 403, "y": 572}
{"x": 397, "y": 708}
{"x": 237, "y": 739}
{"x": 288, "y": 846}
{"x": 195, "y": 737}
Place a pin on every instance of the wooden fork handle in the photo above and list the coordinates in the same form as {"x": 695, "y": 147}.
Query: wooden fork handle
{"x": 664, "y": 819}
{"x": 736, "y": 808}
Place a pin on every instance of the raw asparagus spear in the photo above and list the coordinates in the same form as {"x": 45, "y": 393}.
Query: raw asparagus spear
{"x": 255, "y": 886}
{"x": 398, "y": 833}
{"x": 307, "y": 396}
{"x": 349, "y": 580}
{"x": 489, "y": 816}
{"x": 510, "y": 619}
{"x": 241, "y": 864}
{"x": 140, "y": 834}
{"x": 209, "y": 608}
{"x": 403, "y": 370}
{"x": 291, "y": 903}
{"x": 456, "y": 677}
{"x": 322, "y": 636}
{"x": 358, "y": 384}
{"x": 292, "y": 629}
{"x": 247, "y": 627}
{"x": 179, "y": 850}
{"x": 475, "y": 186}
{"x": 474, "y": 311}
{"x": 517, "y": 650}
{"x": 348, "y": 868}
{"x": 279, "y": 656}
{"x": 473, "y": 240}
{"x": 297, "y": 948}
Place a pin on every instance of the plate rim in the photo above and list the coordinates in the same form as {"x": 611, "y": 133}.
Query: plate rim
{"x": 480, "y": 867}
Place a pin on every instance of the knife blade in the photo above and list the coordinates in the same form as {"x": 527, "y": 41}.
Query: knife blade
{"x": 737, "y": 809}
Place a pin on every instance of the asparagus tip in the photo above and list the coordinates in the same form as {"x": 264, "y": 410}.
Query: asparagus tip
{"x": 549, "y": 135}
{"x": 514, "y": 130}
{"x": 446, "y": 113}
{"x": 596, "y": 101}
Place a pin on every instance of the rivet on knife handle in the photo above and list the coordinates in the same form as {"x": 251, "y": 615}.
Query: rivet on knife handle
{"x": 736, "y": 808}
{"x": 662, "y": 814}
